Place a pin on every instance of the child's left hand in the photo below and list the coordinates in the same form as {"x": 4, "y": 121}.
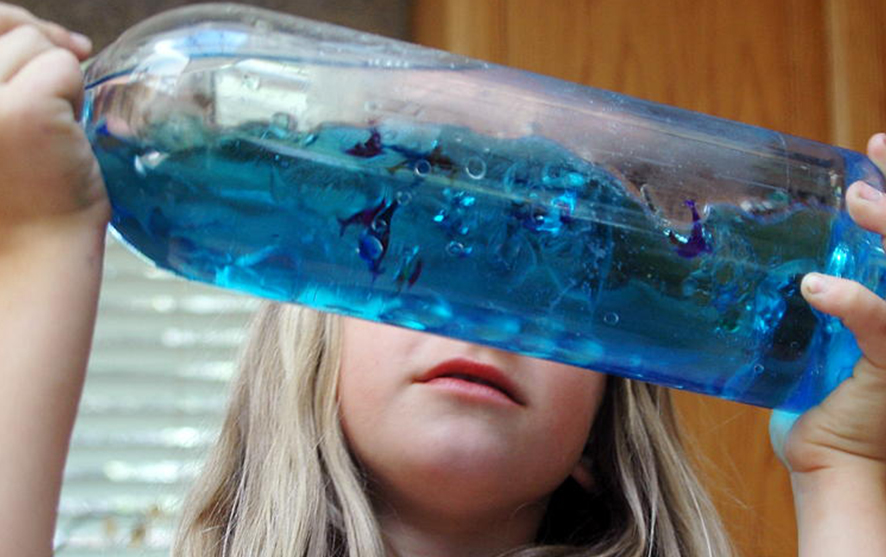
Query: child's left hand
{"x": 836, "y": 451}
{"x": 850, "y": 424}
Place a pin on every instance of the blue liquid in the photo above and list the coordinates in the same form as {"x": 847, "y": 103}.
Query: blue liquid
{"x": 514, "y": 243}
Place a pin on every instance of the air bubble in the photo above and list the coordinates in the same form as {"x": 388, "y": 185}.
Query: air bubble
{"x": 514, "y": 176}
{"x": 611, "y": 318}
{"x": 758, "y": 369}
{"x": 422, "y": 168}
{"x": 403, "y": 197}
{"x": 476, "y": 168}
{"x": 455, "y": 249}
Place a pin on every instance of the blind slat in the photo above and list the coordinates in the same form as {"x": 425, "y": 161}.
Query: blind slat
{"x": 156, "y": 389}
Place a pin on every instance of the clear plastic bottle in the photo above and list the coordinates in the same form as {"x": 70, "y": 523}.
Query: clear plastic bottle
{"x": 313, "y": 164}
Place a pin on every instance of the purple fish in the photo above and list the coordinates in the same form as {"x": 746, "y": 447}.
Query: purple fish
{"x": 409, "y": 271}
{"x": 372, "y": 147}
{"x": 364, "y": 217}
{"x": 696, "y": 244}
{"x": 436, "y": 159}
{"x": 415, "y": 273}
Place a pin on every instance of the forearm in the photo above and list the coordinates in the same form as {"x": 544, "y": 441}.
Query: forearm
{"x": 841, "y": 512}
{"x": 49, "y": 286}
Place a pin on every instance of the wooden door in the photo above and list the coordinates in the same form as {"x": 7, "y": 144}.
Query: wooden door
{"x": 813, "y": 68}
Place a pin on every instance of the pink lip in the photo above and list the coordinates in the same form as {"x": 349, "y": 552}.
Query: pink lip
{"x": 495, "y": 383}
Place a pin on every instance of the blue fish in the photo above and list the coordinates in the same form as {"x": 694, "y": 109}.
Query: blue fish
{"x": 376, "y": 235}
{"x": 372, "y": 250}
{"x": 696, "y": 244}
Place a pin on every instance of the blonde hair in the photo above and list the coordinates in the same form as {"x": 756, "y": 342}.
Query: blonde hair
{"x": 280, "y": 482}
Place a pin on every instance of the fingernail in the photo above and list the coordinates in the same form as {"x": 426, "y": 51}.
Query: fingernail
{"x": 868, "y": 193}
{"x": 82, "y": 41}
{"x": 815, "y": 283}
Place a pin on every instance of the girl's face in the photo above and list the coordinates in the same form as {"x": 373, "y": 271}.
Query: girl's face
{"x": 434, "y": 439}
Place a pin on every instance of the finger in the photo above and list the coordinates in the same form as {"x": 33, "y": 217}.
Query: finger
{"x": 780, "y": 424}
{"x": 877, "y": 150}
{"x": 54, "y": 73}
{"x": 860, "y": 310}
{"x": 20, "y": 46}
{"x": 867, "y": 207}
{"x": 14, "y": 16}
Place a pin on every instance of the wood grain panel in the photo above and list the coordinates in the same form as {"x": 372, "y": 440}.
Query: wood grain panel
{"x": 858, "y": 65}
{"x": 462, "y": 26}
{"x": 760, "y": 62}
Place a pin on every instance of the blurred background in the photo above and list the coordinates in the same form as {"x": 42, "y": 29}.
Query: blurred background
{"x": 164, "y": 348}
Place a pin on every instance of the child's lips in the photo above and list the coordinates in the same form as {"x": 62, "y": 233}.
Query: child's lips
{"x": 474, "y": 378}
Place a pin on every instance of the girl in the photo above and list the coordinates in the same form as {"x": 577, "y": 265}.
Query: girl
{"x": 352, "y": 438}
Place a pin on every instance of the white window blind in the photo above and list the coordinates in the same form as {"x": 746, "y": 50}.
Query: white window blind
{"x": 155, "y": 393}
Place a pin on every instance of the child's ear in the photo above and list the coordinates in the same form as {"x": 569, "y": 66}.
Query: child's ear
{"x": 582, "y": 474}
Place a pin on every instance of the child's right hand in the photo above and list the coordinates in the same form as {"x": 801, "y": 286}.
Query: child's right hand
{"x": 53, "y": 214}
{"x": 49, "y": 178}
